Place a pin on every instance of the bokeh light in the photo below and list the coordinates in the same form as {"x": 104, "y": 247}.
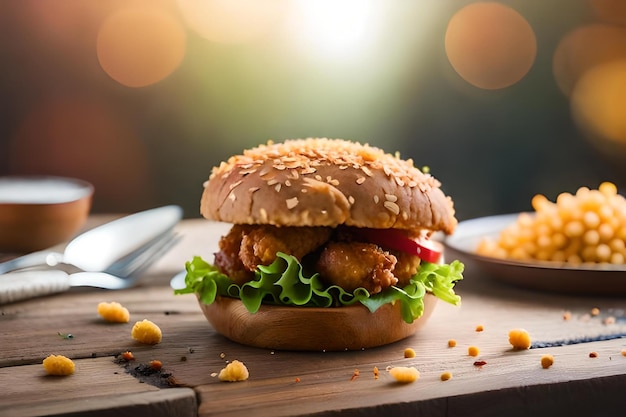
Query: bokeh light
{"x": 80, "y": 138}
{"x": 584, "y": 48}
{"x": 336, "y": 27}
{"x": 598, "y": 103}
{"x": 140, "y": 46}
{"x": 490, "y": 45}
{"x": 611, "y": 11}
{"x": 233, "y": 21}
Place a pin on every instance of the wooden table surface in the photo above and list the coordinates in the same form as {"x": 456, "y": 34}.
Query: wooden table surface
{"x": 499, "y": 381}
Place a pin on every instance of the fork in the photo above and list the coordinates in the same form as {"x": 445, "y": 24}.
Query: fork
{"x": 30, "y": 283}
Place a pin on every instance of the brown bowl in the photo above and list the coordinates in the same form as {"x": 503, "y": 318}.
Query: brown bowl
{"x": 37, "y": 212}
{"x": 311, "y": 328}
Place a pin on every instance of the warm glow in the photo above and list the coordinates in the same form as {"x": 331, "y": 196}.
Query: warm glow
{"x": 232, "y": 21}
{"x": 140, "y": 46}
{"x": 585, "y": 48}
{"x": 599, "y": 102}
{"x": 611, "y": 11}
{"x": 79, "y": 138}
{"x": 336, "y": 26}
{"x": 490, "y": 45}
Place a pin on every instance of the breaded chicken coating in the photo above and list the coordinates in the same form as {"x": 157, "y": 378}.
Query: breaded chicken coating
{"x": 406, "y": 267}
{"x": 351, "y": 265}
{"x": 261, "y": 243}
{"x": 227, "y": 259}
{"x": 245, "y": 247}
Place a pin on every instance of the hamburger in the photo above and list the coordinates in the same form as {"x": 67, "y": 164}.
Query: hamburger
{"x": 330, "y": 247}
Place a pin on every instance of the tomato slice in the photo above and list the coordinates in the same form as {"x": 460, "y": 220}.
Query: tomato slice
{"x": 426, "y": 249}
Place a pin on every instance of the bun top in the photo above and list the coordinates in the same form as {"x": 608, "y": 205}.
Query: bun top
{"x": 325, "y": 182}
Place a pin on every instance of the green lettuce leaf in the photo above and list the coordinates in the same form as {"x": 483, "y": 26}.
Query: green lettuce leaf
{"x": 284, "y": 282}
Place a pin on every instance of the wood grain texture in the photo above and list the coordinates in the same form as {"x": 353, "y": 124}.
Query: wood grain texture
{"x": 290, "y": 383}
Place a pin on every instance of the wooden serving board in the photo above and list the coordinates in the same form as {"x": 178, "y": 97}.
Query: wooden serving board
{"x": 283, "y": 383}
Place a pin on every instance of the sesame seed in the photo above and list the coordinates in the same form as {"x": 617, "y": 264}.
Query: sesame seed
{"x": 392, "y": 207}
{"x": 277, "y": 187}
{"x": 366, "y": 171}
{"x": 271, "y": 182}
{"x": 376, "y": 199}
{"x": 287, "y": 183}
{"x": 263, "y": 214}
{"x": 391, "y": 197}
{"x": 253, "y": 189}
{"x": 233, "y": 185}
{"x": 232, "y": 196}
{"x": 292, "y": 202}
{"x": 351, "y": 200}
{"x": 360, "y": 180}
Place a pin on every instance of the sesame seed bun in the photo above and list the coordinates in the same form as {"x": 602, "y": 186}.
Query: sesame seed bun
{"x": 326, "y": 329}
{"x": 325, "y": 182}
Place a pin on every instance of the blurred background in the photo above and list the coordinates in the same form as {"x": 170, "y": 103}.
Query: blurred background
{"x": 500, "y": 99}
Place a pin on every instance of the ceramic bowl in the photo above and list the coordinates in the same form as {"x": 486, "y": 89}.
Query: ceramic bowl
{"x": 38, "y": 212}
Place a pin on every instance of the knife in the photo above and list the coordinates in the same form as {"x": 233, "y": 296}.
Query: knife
{"x": 99, "y": 248}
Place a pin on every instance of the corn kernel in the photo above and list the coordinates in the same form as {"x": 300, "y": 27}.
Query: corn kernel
{"x": 146, "y": 332}
{"x": 59, "y": 365}
{"x": 519, "y": 339}
{"x": 233, "y": 372}
{"x": 547, "y": 361}
{"x": 113, "y": 312}
{"x": 404, "y": 374}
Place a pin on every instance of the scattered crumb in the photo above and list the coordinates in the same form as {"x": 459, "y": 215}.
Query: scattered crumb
{"x": 58, "y": 365}
{"x": 519, "y": 339}
{"x": 451, "y": 343}
{"x": 355, "y": 375}
{"x": 593, "y": 354}
{"x": 547, "y": 361}
{"x": 567, "y": 315}
{"x": 623, "y": 352}
{"x": 404, "y": 374}
{"x": 409, "y": 353}
{"x": 480, "y": 364}
{"x": 594, "y": 311}
{"x": 609, "y": 320}
{"x": 233, "y": 372}
{"x": 446, "y": 376}
{"x": 146, "y": 332}
{"x": 376, "y": 374}
{"x": 473, "y": 351}
{"x": 113, "y": 312}
{"x": 156, "y": 365}
{"x": 128, "y": 356}
{"x": 480, "y": 328}
{"x": 297, "y": 380}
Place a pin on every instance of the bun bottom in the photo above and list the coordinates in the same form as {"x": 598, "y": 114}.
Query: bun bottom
{"x": 311, "y": 328}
